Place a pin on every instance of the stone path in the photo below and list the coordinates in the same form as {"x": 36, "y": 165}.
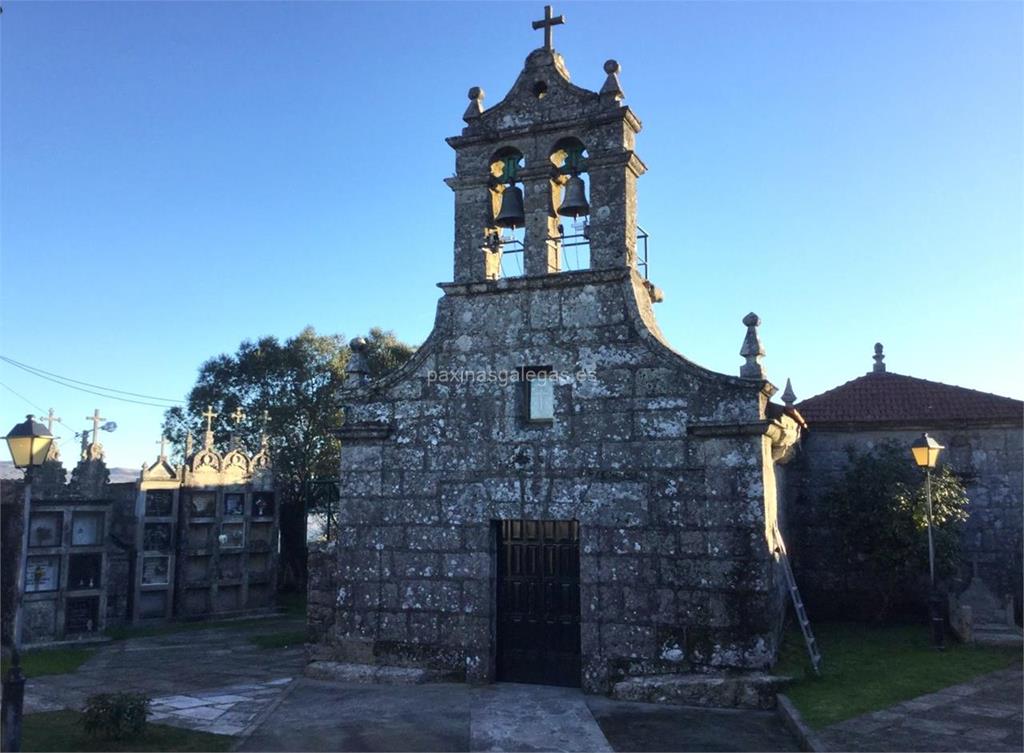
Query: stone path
{"x": 175, "y": 664}
{"x": 230, "y": 710}
{"x": 984, "y": 714}
{"x": 323, "y": 715}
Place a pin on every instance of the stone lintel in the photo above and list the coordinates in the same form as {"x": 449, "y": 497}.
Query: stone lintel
{"x": 363, "y": 432}
{"x": 586, "y": 123}
{"x": 564, "y": 279}
{"x": 735, "y": 429}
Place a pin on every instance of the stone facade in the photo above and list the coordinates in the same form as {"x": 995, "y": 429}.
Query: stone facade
{"x": 990, "y": 460}
{"x": 668, "y": 468}
{"x": 982, "y": 435}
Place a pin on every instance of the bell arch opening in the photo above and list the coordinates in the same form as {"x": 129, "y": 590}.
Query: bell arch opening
{"x": 570, "y": 191}
{"x": 505, "y": 234}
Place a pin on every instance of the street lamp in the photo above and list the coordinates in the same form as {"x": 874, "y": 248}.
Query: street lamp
{"x": 926, "y": 452}
{"x": 29, "y": 443}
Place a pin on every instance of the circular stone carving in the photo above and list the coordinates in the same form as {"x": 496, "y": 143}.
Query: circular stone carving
{"x": 611, "y": 66}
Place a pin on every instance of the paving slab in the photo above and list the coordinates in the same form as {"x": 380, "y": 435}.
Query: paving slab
{"x": 985, "y": 714}
{"x": 324, "y": 715}
{"x": 208, "y": 660}
{"x": 633, "y": 726}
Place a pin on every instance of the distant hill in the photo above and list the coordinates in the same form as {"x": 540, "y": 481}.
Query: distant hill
{"x": 117, "y": 475}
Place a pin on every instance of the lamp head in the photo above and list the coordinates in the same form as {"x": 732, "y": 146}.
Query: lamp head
{"x": 925, "y": 451}
{"x": 29, "y": 443}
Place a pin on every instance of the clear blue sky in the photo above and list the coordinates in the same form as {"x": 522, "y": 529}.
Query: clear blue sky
{"x": 178, "y": 177}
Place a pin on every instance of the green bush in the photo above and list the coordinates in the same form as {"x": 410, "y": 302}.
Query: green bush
{"x": 115, "y": 716}
{"x": 880, "y": 511}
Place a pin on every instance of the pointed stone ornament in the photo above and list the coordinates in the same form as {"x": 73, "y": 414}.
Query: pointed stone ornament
{"x": 752, "y": 349}
{"x": 879, "y": 367}
{"x": 612, "y": 91}
{"x": 357, "y": 373}
{"x": 788, "y": 396}
{"x": 188, "y": 445}
{"x": 476, "y": 104}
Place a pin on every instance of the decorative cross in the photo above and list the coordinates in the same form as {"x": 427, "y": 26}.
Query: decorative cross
{"x": 163, "y": 447}
{"x": 50, "y": 418}
{"x": 548, "y": 23}
{"x": 95, "y": 418}
{"x": 209, "y": 415}
{"x": 238, "y": 416}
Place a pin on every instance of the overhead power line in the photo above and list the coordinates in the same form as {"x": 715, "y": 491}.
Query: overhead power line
{"x": 42, "y": 413}
{"x": 74, "y": 384}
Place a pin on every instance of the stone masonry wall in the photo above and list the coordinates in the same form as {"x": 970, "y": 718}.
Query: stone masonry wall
{"x": 989, "y": 460}
{"x": 662, "y": 462}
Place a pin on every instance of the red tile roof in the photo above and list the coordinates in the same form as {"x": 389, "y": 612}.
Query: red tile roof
{"x": 886, "y": 397}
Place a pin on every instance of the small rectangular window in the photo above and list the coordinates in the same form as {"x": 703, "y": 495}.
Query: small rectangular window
{"x": 539, "y": 391}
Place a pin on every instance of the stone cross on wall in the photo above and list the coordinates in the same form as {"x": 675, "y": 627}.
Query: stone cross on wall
{"x": 95, "y": 418}
{"x": 209, "y": 415}
{"x": 548, "y": 23}
{"x": 237, "y": 417}
{"x": 54, "y": 452}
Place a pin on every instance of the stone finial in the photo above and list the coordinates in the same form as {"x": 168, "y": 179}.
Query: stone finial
{"x": 879, "y": 359}
{"x": 188, "y": 445}
{"x": 752, "y": 349}
{"x": 476, "y": 104}
{"x": 357, "y": 373}
{"x": 611, "y": 89}
{"x": 788, "y": 396}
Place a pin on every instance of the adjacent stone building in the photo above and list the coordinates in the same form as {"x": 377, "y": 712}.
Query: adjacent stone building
{"x": 548, "y": 492}
{"x": 982, "y": 434}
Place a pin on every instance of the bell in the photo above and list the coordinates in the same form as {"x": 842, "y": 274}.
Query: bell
{"x": 574, "y": 203}
{"x": 511, "y": 214}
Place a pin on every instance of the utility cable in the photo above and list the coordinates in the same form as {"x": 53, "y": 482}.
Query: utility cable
{"x": 65, "y": 382}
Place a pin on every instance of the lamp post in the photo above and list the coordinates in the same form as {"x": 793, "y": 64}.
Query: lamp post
{"x": 926, "y": 452}
{"x": 29, "y": 443}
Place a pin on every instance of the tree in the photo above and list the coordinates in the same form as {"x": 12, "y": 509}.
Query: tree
{"x": 297, "y": 383}
{"x": 880, "y": 511}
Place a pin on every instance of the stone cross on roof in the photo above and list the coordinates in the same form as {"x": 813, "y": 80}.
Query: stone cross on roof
{"x": 548, "y": 23}
{"x": 238, "y": 416}
{"x": 95, "y": 418}
{"x": 163, "y": 448}
{"x": 50, "y": 418}
{"x": 209, "y": 415}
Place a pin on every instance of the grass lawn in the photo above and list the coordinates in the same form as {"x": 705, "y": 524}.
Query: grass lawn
{"x": 282, "y": 639}
{"x": 61, "y": 731}
{"x": 123, "y": 633}
{"x": 866, "y": 668}
{"x": 53, "y": 661}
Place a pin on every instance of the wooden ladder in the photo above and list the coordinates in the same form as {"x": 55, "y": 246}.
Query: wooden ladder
{"x": 798, "y": 604}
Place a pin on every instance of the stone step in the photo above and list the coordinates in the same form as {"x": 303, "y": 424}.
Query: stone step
{"x": 995, "y": 634}
{"x": 372, "y": 673}
{"x": 750, "y": 690}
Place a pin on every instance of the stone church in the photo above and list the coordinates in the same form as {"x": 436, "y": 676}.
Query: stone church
{"x": 548, "y": 492}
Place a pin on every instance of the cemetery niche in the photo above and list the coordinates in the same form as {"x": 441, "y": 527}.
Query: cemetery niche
{"x": 189, "y": 541}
